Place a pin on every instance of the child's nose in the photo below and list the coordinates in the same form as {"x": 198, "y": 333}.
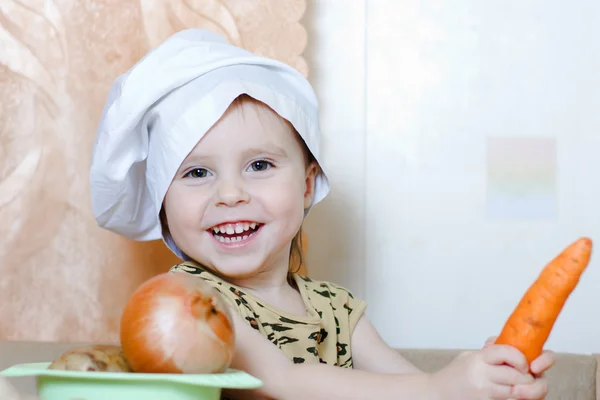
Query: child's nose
{"x": 231, "y": 192}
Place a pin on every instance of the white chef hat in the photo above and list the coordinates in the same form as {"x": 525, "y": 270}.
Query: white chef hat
{"x": 158, "y": 111}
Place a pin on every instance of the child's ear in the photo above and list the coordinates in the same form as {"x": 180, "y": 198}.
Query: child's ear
{"x": 309, "y": 187}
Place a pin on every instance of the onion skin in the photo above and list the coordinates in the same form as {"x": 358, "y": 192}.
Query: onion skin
{"x": 176, "y": 323}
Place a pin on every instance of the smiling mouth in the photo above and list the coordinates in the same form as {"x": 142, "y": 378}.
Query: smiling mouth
{"x": 236, "y": 232}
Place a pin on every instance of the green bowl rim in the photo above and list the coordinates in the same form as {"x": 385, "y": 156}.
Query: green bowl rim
{"x": 232, "y": 378}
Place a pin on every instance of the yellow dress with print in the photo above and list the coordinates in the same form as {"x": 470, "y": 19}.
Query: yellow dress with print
{"x": 322, "y": 336}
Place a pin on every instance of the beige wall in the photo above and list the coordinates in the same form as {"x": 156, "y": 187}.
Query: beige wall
{"x": 61, "y": 277}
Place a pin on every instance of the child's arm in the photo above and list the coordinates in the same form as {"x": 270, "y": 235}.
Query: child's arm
{"x": 371, "y": 353}
{"x": 473, "y": 375}
{"x": 286, "y": 380}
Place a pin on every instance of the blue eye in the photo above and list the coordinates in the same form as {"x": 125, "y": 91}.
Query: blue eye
{"x": 198, "y": 173}
{"x": 260, "y": 165}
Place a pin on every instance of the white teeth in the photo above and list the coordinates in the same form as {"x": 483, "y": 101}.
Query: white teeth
{"x": 224, "y": 239}
{"x": 230, "y": 229}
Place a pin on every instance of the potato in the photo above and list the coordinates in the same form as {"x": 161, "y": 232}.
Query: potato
{"x": 103, "y": 358}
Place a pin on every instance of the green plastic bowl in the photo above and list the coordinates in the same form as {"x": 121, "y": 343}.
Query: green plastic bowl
{"x": 70, "y": 385}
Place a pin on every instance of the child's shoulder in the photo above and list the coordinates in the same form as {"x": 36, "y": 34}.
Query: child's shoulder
{"x": 195, "y": 269}
{"x": 231, "y": 293}
{"x": 190, "y": 267}
{"x": 329, "y": 292}
{"x": 326, "y": 288}
{"x": 345, "y": 308}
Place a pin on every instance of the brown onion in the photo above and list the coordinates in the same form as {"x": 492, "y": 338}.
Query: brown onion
{"x": 177, "y": 323}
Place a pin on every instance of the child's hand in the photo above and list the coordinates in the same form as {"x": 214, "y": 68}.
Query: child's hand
{"x": 493, "y": 372}
{"x": 538, "y": 366}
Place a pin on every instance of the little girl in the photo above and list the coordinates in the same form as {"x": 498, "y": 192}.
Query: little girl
{"x": 215, "y": 150}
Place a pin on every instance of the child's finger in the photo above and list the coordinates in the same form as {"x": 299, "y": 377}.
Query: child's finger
{"x": 504, "y": 354}
{"x": 507, "y": 375}
{"x": 489, "y": 341}
{"x": 543, "y": 362}
{"x": 502, "y": 392}
{"x": 537, "y": 390}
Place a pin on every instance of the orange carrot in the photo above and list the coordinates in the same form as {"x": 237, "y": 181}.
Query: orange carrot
{"x": 530, "y": 324}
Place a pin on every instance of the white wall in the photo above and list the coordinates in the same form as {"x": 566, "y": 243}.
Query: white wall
{"x": 426, "y": 219}
{"x": 336, "y": 58}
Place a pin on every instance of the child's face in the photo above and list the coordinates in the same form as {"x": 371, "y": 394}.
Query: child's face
{"x": 239, "y": 197}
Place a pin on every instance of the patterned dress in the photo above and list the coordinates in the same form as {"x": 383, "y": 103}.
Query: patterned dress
{"x": 322, "y": 336}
